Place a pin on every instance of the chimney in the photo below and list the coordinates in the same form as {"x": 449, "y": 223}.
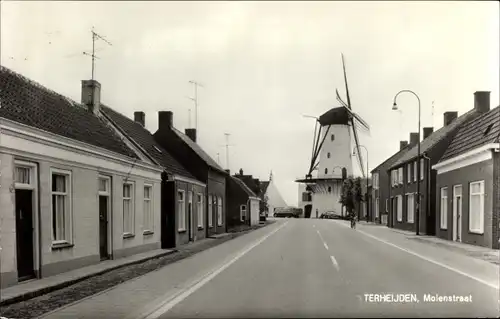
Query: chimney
{"x": 91, "y": 95}
{"x": 191, "y": 133}
{"x": 165, "y": 120}
{"x": 413, "y": 139}
{"x": 402, "y": 144}
{"x": 241, "y": 171}
{"x": 448, "y": 117}
{"x": 428, "y": 131}
{"x": 482, "y": 101}
{"x": 140, "y": 118}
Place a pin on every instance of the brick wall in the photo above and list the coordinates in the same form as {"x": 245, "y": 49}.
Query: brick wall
{"x": 464, "y": 176}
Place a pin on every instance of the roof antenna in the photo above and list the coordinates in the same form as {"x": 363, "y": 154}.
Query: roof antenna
{"x": 95, "y": 37}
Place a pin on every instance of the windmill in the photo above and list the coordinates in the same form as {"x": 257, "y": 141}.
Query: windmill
{"x": 331, "y": 152}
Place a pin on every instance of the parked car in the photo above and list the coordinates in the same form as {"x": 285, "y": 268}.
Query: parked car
{"x": 288, "y": 213}
{"x": 330, "y": 215}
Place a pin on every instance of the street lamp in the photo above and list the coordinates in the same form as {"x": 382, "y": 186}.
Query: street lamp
{"x": 395, "y": 108}
{"x": 354, "y": 154}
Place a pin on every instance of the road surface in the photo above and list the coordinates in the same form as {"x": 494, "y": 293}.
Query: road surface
{"x": 304, "y": 268}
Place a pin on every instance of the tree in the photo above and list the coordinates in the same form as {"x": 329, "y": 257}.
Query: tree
{"x": 264, "y": 206}
{"x": 351, "y": 195}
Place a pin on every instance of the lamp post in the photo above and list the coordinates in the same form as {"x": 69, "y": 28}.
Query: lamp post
{"x": 395, "y": 108}
{"x": 354, "y": 153}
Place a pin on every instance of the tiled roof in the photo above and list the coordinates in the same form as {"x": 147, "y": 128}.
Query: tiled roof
{"x": 146, "y": 141}
{"x": 199, "y": 151}
{"x": 27, "y": 102}
{"x": 243, "y": 186}
{"x": 435, "y": 137}
{"x": 252, "y": 183}
{"x": 482, "y": 130}
{"x": 388, "y": 162}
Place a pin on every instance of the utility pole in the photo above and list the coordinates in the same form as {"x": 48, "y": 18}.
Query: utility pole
{"x": 195, "y": 99}
{"x": 227, "y": 149}
{"x": 95, "y": 37}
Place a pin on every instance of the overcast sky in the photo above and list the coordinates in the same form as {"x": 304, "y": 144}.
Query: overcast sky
{"x": 264, "y": 64}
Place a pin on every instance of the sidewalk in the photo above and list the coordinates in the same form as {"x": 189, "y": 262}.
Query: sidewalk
{"x": 37, "y": 287}
{"x": 479, "y": 252}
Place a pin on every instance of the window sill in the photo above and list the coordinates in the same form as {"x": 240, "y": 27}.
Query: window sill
{"x": 476, "y": 232}
{"x": 148, "y": 232}
{"x": 181, "y": 230}
{"x": 441, "y": 228}
{"x": 61, "y": 245}
{"x": 200, "y": 227}
{"x": 212, "y": 226}
{"x": 128, "y": 235}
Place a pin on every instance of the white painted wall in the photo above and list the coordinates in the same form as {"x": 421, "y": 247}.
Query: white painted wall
{"x": 254, "y": 211}
{"x": 340, "y": 150}
{"x": 49, "y": 152}
{"x": 324, "y": 201}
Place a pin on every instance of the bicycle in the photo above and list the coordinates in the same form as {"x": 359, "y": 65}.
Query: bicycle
{"x": 353, "y": 222}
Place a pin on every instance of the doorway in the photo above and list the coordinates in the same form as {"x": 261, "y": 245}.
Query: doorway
{"x": 190, "y": 216}
{"x": 457, "y": 213}
{"x": 104, "y": 216}
{"x": 24, "y": 234}
{"x": 308, "y": 210}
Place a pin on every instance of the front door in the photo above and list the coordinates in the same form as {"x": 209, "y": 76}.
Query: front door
{"x": 24, "y": 234}
{"x": 457, "y": 213}
{"x": 103, "y": 227}
{"x": 190, "y": 216}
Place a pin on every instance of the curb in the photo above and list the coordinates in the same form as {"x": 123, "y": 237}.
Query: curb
{"x": 45, "y": 290}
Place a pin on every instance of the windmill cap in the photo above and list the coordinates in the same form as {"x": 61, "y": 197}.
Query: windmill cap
{"x": 336, "y": 115}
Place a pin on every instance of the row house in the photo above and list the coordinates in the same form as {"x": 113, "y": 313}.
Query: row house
{"x": 183, "y": 197}
{"x": 185, "y": 149}
{"x": 381, "y": 187}
{"x": 73, "y": 190}
{"x": 243, "y": 205}
{"x": 256, "y": 186}
{"x": 468, "y": 179}
{"x": 404, "y": 177}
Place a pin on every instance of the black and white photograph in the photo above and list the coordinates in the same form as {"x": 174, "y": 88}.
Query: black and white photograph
{"x": 249, "y": 159}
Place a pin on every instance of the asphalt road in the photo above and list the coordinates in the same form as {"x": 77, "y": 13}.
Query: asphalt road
{"x": 296, "y": 268}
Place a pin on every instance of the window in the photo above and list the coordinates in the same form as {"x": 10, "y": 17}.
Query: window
{"x": 393, "y": 178}
{"x": 332, "y": 137}
{"x": 400, "y": 175}
{"x": 326, "y": 171}
{"x": 386, "y": 205}
{"x": 421, "y": 169}
{"x": 22, "y": 175}
{"x": 329, "y": 189}
{"x": 190, "y": 208}
{"x": 148, "y": 209}
{"x": 243, "y": 212}
{"x": 377, "y": 207}
{"x": 219, "y": 211}
{"x": 210, "y": 213}
{"x": 476, "y": 207}
{"x": 410, "y": 206}
{"x": 199, "y": 209}
{"x": 444, "y": 208}
{"x": 128, "y": 209}
{"x": 61, "y": 205}
{"x": 408, "y": 173}
{"x": 181, "y": 210}
{"x": 399, "y": 201}
{"x": 415, "y": 171}
{"x": 375, "y": 180}
{"x": 328, "y": 155}
{"x": 103, "y": 185}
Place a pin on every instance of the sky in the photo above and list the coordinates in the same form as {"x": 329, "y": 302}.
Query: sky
{"x": 263, "y": 66}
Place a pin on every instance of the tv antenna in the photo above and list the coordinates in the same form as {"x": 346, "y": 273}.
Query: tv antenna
{"x": 227, "y": 149}
{"x": 95, "y": 37}
{"x": 195, "y": 99}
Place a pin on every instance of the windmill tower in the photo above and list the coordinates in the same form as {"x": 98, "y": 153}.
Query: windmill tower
{"x": 335, "y": 134}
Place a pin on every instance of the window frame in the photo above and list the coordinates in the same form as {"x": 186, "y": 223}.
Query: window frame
{"x": 220, "y": 221}
{"x": 410, "y": 206}
{"x": 481, "y": 194}
{"x": 401, "y": 175}
{"x": 399, "y": 206}
{"x": 443, "y": 208}
{"x": 68, "y": 175}
{"x": 415, "y": 168}
{"x": 127, "y": 234}
{"x": 408, "y": 172}
{"x": 181, "y": 210}
{"x": 422, "y": 168}
{"x": 210, "y": 211}
{"x": 377, "y": 207}
{"x": 199, "y": 209}
{"x": 243, "y": 212}
{"x": 148, "y": 229}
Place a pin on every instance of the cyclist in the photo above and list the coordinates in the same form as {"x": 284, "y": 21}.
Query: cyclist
{"x": 353, "y": 220}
